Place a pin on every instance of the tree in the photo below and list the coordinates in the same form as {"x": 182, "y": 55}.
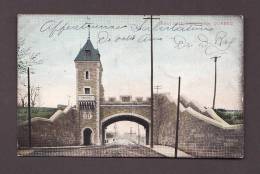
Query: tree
{"x": 34, "y": 96}
{"x": 26, "y": 57}
{"x": 22, "y": 98}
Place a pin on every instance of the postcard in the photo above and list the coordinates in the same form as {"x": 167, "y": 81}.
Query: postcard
{"x": 166, "y": 86}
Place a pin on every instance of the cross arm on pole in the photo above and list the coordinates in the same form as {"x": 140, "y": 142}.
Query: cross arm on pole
{"x": 215, "y": 58}
{"x": 151, "y": 18}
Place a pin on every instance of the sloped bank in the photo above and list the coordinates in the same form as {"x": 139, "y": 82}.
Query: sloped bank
{"x": 202, "y": 133}
{"x": 61, "y": 129}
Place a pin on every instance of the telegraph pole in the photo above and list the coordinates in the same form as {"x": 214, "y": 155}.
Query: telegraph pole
{"x": 115, "y": 128}
{"x": 69, "y": 100}
{"x": 29, "y": 110}
{"x": 138, "y": 134}
{"x": 215, "y": 83}
{"x": 157, "y": 87}
{"x": 131, "y": 132}
{"x": 151, "y": 28}
{"x": 178, "y": 117}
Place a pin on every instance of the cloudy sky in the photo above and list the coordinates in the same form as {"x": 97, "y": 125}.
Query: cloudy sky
{"x": 183, "y": 47}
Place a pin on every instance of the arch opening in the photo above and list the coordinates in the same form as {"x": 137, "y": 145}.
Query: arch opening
{"x": 87, "y": 136}
{"x": 125, "y": 117}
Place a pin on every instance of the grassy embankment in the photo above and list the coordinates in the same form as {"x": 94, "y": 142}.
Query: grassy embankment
{"x": 231, "y": 116}
{"x": 44, "y": 112}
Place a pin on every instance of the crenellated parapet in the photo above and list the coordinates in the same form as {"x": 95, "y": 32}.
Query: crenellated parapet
{"x": 126, "y": 99}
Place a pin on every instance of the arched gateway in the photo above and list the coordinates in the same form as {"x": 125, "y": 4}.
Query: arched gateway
{"x": 94, "y": 112}
{"x": 87, "y": 136}
{"x": 125, "y": 117}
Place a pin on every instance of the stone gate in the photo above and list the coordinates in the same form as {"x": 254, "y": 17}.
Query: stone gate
{"x": 201, "y": 133}
{"x": 95, "y": 112}
{"x": 139, "y": 112}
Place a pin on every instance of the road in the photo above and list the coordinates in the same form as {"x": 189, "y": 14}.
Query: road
{"x": 120, "y": 148}
{"x": 121, "y": 141}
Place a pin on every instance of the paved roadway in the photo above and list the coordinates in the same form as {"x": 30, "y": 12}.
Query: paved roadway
{"x": 119, "y": 148}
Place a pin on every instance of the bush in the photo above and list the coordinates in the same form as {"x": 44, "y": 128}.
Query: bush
{"x": 231, "y": 116}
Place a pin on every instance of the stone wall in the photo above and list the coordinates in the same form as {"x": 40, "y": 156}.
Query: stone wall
{"x": 201, "y": 132}
{"x": 200, "y": 135}
{"x": 203, "y": 139}
{"x": 62, "y": 129}
{"x": 108, "y": 110}
{"x": 95, "y": 73}
{"x": 94, "y": 69}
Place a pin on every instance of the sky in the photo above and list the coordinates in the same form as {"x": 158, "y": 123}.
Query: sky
{"x": 183, "y": 46}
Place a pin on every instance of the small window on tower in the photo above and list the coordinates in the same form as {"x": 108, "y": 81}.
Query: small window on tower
{"x": 88, "y": 53}
{"x": 87, "y": 75}
{"x": 87, "y": 90}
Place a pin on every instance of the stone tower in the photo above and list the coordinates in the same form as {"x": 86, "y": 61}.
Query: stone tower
{"x": 89, "y": 93}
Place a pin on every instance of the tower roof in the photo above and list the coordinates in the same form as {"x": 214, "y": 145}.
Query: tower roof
{"x": 88, "y": 53}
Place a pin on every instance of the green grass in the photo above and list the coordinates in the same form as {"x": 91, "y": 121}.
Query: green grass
{"x": 231, "y": 116}
{"x": 44, "y": 112}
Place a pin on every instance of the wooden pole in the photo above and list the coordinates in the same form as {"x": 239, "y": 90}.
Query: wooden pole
{"x": 29, "y": 110}
{"x": 215, "y": 84}
{"x": 138, "y": 134}
{"x": 177, "y": 120}
{"x": 152, "y": 102}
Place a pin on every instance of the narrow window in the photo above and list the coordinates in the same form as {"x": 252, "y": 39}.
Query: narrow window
{"x": 88, "y": 53}
{"x": 87, "y": 90}
{"x": 87, "y": 75}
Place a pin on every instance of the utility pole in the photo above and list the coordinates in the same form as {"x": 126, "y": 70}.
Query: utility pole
{"x": 69, "y": 100}
{"x": 151, "y": 28}
{"x": 29, "y": 110}
{"x": 131, "y": 132}
{"x": 157, "y": 87}
{"x": 178, "y": 117}
{"x": 215, "y": 83}
{"x": 115, "y": 128}
{"x": 138, "y": 134}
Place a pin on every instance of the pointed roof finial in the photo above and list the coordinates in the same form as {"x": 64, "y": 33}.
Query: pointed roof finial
{"x": 89, "y": 32}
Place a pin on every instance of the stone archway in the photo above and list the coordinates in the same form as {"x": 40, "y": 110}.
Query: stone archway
{"x": 126, "y": 117}
{"x": 87, "y": 136}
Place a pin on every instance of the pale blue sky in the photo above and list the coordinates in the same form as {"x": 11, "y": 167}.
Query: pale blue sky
{"x": 126, "y": 64}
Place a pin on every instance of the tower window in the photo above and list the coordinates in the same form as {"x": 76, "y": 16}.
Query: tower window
{"x": 87, "y": 90}
{"x": 87, "y": 75}
{"x": 88, "y": 52}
